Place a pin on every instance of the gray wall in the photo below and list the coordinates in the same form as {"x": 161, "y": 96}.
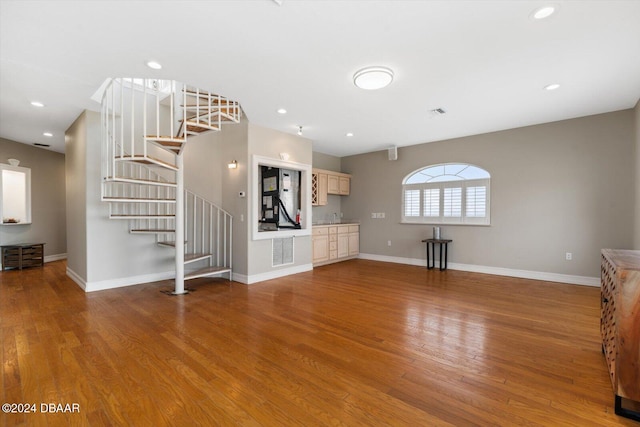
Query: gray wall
{"x": 48, "y": 221}
{"x": 559, "y": 187}
{"x": 101, "y": 252}
{"x": 334, "y": 203}
{"x": 636, "y": 241}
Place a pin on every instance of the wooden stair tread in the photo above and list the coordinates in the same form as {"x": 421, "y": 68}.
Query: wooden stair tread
{"x": 137, "y": 199}
{"x": 148, "y": 160}
{"x": 141, "y": 216}
{"x": 169, "y": 243}
{"x": 151, "y": 231}
{"x": 207, "y": 271}
{"x": 140, "y": 181}
{"x": 195, "y": 257}
{"x": 166, "y": 139}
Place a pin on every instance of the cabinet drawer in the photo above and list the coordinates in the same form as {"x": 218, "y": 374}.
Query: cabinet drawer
{"x": 354, "y": 228}
{"x": 343, "y": 229}
{"x": 320, "y": 231}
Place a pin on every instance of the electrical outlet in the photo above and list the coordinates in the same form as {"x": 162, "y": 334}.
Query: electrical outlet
{"x": 388, "y": 242}
{"x": 381, "y": 215}
{"x": 568, "y": 256}
{"x": 374, "y": 215}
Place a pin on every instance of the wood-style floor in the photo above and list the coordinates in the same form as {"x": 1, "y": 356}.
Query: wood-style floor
{"x": 350, "y": 344}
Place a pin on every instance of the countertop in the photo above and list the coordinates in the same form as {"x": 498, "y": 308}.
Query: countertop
{"x": 327, "y": 223}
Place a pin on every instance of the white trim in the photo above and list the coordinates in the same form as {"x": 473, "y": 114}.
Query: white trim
{"x": 499, "y": 271}
{"x": 249, "y": 280}
{"x": 118, "y": 283}
{"x": 305, "y": 196}
{"x": 57, "y": 257}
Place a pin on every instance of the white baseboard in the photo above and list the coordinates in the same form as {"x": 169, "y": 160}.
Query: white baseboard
{"x": 118, "y": 283}
{"x": 57, "y": 257}
{"x": 499, "y": 271}
{"x": 255, "y": 278}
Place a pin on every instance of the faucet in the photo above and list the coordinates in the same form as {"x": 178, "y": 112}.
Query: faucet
{"x": 335, "y": 218}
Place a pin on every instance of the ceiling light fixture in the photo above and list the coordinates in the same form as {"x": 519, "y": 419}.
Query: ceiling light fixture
{"x": 373, "y": 78}
{"x": 37, "y": 104}
{"x": 552, "y": 86}
{"x": 48, "y": 134}
{"x": 349, "y": 134}
{"x": 543, "y": 12}
{"x": 282, "y": 111}
{"x": 154, "y": 65}
{"x": 300, "y": 130}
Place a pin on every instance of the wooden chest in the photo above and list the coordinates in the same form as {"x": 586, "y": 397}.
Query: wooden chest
{"x": 22, "y": 255}
{"x": 620, "y": 326}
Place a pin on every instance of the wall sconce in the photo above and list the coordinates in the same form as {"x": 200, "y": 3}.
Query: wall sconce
{"x": 233, "y": 165}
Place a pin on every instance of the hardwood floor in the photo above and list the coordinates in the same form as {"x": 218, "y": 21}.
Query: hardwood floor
{"x": 349, "y": 344}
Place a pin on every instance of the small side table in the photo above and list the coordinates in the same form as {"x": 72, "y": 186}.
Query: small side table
{"x": 433, "y": 242}
{"x": 21, "y": 255}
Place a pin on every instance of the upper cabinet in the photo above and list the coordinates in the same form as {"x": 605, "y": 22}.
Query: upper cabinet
{"x": 15, "y": 194}
{"x": 328, "y": 182}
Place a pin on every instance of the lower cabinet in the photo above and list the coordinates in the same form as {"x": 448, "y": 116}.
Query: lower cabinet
{"x": 333, "y": 243}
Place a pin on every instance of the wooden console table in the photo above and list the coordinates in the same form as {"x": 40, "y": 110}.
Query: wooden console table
{"x": 21, "y": 255}
{"x": 433, "y": 242}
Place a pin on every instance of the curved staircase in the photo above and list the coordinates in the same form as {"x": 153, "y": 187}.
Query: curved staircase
{"x": 146, "y": 127}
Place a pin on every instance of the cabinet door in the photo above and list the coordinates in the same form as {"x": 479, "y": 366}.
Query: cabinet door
{"x": 322, "y": 189}
{"x": 344, "y": 183}
{"x": 333, "y": 184}
{"x": 354, "y": 244}
{"x": 320, "y": 248}
{"x": 343, "y": 245}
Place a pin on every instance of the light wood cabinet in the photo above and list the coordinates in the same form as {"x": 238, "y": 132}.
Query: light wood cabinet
{"x": 338, "y": 242}
{"x": 620, "y": 326}
{"x": 328, "y": 182}
{"x": 320, "y": 243}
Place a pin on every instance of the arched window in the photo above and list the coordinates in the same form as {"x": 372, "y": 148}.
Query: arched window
{"x": 451, "y": 193}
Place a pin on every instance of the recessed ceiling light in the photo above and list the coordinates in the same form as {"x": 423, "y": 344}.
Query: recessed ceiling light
{"x": 349, "y": 134}
{"x": 552, "y": 86}
{"x": 372, "y": 78}
{"x": 154, "y": 65}
{"x": 543, "y": 12}
{"x": 282, "y": 111}
{"x": 37, "y": 104}
{"x": 49, "y": 134}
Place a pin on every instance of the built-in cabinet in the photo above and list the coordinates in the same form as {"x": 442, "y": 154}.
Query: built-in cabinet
{"x": 326, "y": 182}
{"x": 335, "y": 242}
{"x": 620, "y": 326}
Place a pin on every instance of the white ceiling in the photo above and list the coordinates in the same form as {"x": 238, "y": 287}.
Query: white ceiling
{"x": 484, "y": 62}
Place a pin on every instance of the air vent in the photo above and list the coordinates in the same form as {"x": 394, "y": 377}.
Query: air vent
{"x": 37, "y": 144}
{"x": 437, "y": 112}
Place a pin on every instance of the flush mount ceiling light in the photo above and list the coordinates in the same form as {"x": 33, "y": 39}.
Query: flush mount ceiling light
{"x": 373, "y": 78}
{"x": 282, "y": 111}
{"x": 37, "y": 104}
{"x": 552, "y": 86}
{"x": 543, "y": 12}
{"x": 154, "y": 65}
{"x": 48, "y": 134}
{"x": 349, "y": 134}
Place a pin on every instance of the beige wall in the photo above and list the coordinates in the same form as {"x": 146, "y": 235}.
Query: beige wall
{"x": 270, "y": 143}
{"x": 636, "y": 240}
{"x": 48, "y": 209}
{"x": 555, "y": 188}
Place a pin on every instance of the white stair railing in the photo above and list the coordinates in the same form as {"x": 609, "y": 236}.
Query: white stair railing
{"x": 148, "y": 121}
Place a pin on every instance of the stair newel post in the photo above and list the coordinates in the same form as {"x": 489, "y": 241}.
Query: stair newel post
{"x": 179, "y": 223}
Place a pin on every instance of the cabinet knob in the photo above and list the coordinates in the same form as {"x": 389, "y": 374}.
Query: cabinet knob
{"x": 605, "y": 300}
